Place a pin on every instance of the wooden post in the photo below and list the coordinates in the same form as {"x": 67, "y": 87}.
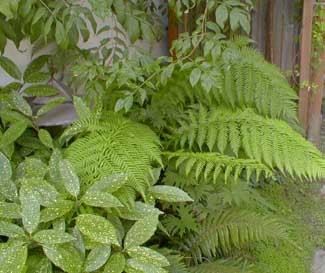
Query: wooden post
{"x": 172, "y": 28}
{"x": 306, "y": 37}
{"x": 316, "y": 99}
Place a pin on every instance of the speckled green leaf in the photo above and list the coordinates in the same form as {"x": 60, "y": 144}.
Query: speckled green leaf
{"x": 139, "y": 211}
{"x": 5, "y": 167}
{"x": 10, "y": 67}
{"x": 56, "y": 210}
{"x": 97, "y": 228}
{"x": 38, "y": 264}
{"x": 97, "y": 258}
{"x": 10, "y": 210}
{"x": 145, "y": 267}
{"x": 115, "y": 264}
{"x": 30, "y": 210}
{"x": 170, "y": 194}
{"x": 109, "y": 183}
{"x": 11, "y": 230}
{"x": 13, "y": 257}
{"x": 147, "y": 255}
{"x": 45, "y": 193}
{"x": 41, "y": 90}
{"x": 37, "y": 77}
{"x": 32, "y": 168}
{"x": 22, "y": 105}
{"x": 101, "y": 199}
{"x": 79, "y": 243}
{"x": 8, "y": 189}
{"x": 45, "y": 137}
{"x": 50, "y": 105}
{"x": 51, "y": 237}
{"x": 65, "y": 257}
{"x": 59, "y": 224}
{"x": 141, "y": 231}
{"x": 82, "y": 109}
{"x": 12, "y": 133}
{"x": 70, "y": 178}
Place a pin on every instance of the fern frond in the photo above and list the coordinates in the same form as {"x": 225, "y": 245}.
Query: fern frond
{"x": 176, "y": 261}
{"x": 223, "y": 266}
{"x": 207, "y": 165}
{"x": 245, "y": 80}
{"x": 232, "y": 228}
{"x": 111, "y": 145}
{"x": 270, "y": 141}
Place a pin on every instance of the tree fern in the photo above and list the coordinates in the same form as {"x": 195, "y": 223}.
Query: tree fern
{"x": 270, "y": 141}
{"x": 210, "y": 165}
{"x": 113, "y": 144}
{"x": 230, "y": 229}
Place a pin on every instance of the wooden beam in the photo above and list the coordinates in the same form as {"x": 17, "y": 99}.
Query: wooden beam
{"x": 306, "y": 38}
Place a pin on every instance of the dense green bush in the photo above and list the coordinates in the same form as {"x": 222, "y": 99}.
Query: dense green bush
{"x": 169, "y": 166}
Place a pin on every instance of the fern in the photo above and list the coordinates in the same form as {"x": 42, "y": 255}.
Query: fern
{"x": 113, "y": 144}
{"x": 210, "y": 165}
{"x": 270, "y": 141}
{"x": 232, "y": 228}
{"x": 245, "y": 79}
{"x": 224, "y": 266}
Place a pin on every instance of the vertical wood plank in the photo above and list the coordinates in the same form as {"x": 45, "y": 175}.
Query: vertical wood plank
{"x": 306, "y": 37}
{"x": 172, "y": 28}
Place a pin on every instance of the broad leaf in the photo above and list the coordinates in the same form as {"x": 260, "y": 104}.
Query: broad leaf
{"x": 51, "y": 237}
{"x": 10, "y": 210}
{"x": 37, "y": 264}
{"x": 22, "y": 105}
{"x": 101, "y": 199}
{"x": 13, "y": 133}
{"x": 41, "y": 90}
{"x": 170, "y": 194}
{"x": 82, "y": 109}
{"x": 5, "y": 167}
{"x": 12, "y": 257}
{"x": 147, "y": 255}
{"x": 70, "y": 178}
{"x": 11, "y": 230}
{"x": 141, "y": 231}
{"x": 8, "y": 189}
{"x": 195, "y": 76}
{"x": 50, "y": 105}
{"x": 65, "y": 257}
{"x": 10, "y": 67}
{"x": 221, "y": 15}
{"x": 97, "y": 228}
{"x": 45, "y": 138}
{"x": 56, "y": 210}
{"x": 30, "y": 210}
{"x": 109, "y": 183}
{"x": 145, "y": 267}
{"x": 139, "y": 211}
{"x": 115, "y": 264}
{"x": 132, "y": 27}
{"x": 60, "y": 34}
{"x": 97, "y": 258}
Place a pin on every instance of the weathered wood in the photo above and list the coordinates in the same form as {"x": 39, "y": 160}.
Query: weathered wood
{"x": 306, "y": 37}
{"x": 172, "y": 28}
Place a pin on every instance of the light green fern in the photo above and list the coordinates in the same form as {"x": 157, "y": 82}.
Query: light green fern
{"x": 113, "y": 144}
{"x": 211, "y": 165}
{"x": 245, "y": 133}
{"x": 233, "y": 228}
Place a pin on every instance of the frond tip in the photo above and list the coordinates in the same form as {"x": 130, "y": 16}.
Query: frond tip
{"x": 212, "y": 164}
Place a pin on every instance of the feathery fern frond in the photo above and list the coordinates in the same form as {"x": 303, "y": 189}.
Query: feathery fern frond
{"x": 245, "y": 80}
{"x": 223, "y": 266}
{"x": 232, "y": 228}
{"x": 270, "y": 141}
{"x": 208, "y": 165}
{"x": 111, "y": 145}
